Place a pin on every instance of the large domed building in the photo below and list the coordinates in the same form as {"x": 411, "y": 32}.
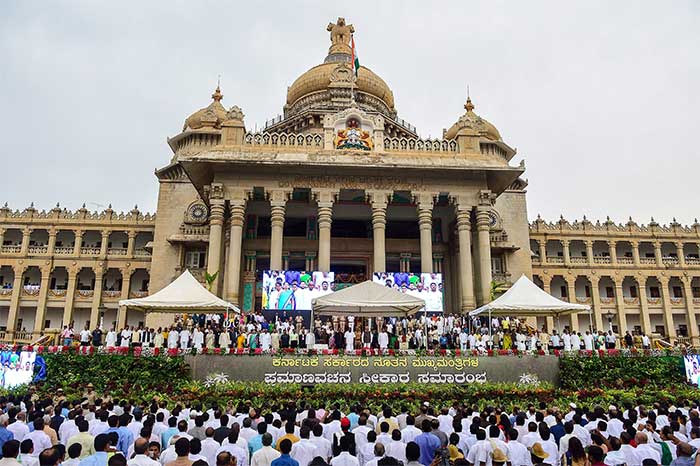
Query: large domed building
{"x": 341, "y": 186}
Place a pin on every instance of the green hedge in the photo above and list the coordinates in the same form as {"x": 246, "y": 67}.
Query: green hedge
{"x": 621, "y": 372}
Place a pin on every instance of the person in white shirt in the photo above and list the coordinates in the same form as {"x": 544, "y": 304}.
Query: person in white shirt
{"x": 383, "y": 340}
{"x": 324, "y": 448}
{"x": 184, "y": 339}
{"x": 235, "y": 450}
{"x": 19, "y": 428}
{"x": 344, "y": 458}
{"x": 40, "y": 440}
{"x": 210, "y": 446}
{"x": 85, "y": 335}
{"x": 396, "y": 448}
{"x": 588, "y": 341}
{"x": 644, "y": 450}
{"x": 304, "y": 450}
{"x": 140, "y": 457}
{"x": 111, "y": 338}
{"x": 366, "y": 453}
{"x": 379, "y": 451}
{"x": 173, "y": 337}
{"x": 549, "y": 446}
{"x": 517, "y": 453}
{"x": 265, "y": 455}
{"x": 532, "y": 435}
{"x": 446, "y": 422}
{"x": 197, "y": 338}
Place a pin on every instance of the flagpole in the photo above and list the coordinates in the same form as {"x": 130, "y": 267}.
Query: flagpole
{"x": 354, "y": 74}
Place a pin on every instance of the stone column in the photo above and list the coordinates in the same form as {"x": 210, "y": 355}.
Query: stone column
{"x": 43, "y": 295}
{"x": 379, "y": 201}
{"x": 78, "y": 242}
{"x": 635, "y": 253}
{"x": 216, "y": 229}
{"x": 325, "y": 200}
{"x": 466, "y": 277}
{"x": 51, "y": 246}
{"x": 233, "y": 263}
{"x": 547, "y": 287}
{"x": 130, "y": 244}
{"x": 70, "y": 296}
{"x": 438, "y": 262}
{"x": 658, "y": 255}
{"x": 425, "y": 225}
{"x": 668, "y": 309}
{"x": 597, "y": 310}
{"x": 643, "y": 304}
{"x": 612, "y": 249}
{"x": 97, "y": 291}
{"x": 543, "y": 251}
{"x": 690, "y": 309}
{"x": 310, "y": 260}
{"x": 567, "y": 255}
{"x": 589, "y": 251}
{"x": 571, "y": 288}
{"x": 122, "y": 311}
{"x": 2, "y": 237}
{"x": 680, "y": 253}
{"x": 484, "y": 241}
{"x": 620, "y": 306}
{"x": 14, "y": 299}
{"x": 26, "y": 233}
{"x": 278, "y": 202}
{"x": 103, "y": 244}
{"x": 405, "y": 262}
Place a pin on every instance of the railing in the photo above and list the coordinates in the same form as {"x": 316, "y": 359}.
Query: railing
{"x": 670, "y": 260}
{"x": 283, "y": 140}
{"x": 55, "y": 293}
{"x": 630, "y": 300}
{"x": 606, "y": 300}
{"x": 555, "y": 260}
{"x": 420, "y": 145}
{"x": 578, "y": 260}
{"x": 194, "y": 230}
{"x": 625, "y": 261}
{"x": 676, "y": 301}
{"x": 404, "y": 124}
{"x": 499, "y": 237}
{"x": 647, "y": 260}
{"x": 141, "y": 252}
{"x": 654, "y": 301}
{"x": 601, "y": 260}
{"x": 116, "y": 251}
{"x": 85, "y": 293}
{"x": 5, "y": 291}
{"x": 38, "y": 250}
{"x": 273, "y": 121}
{"x": 63, "y": 251}
{"x": 138, "y": 294}
{"x": 692, "y": 261}
{"x": 30, "y": 290}
{"x": 12, "y": 249}
{"x": 111, "y": 294}
{"x": 90, "y": 251}
{"x": 583, "y": 299}
{"x": 696, "y": 300}
{"x": 501, "y": 277}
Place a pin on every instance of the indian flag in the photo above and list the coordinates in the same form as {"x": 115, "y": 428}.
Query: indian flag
{"x": 355, "y": 58}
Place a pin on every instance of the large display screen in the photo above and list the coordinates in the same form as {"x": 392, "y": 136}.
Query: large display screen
{"x": 692, "y": 368}
{"x": 427, "y": 286}
{"x": 17, "y": 368}
{"x": 293, "y": 290}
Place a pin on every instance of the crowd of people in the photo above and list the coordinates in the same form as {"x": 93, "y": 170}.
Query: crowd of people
{"x": 99, "y": 431}
{"x": 438, "y": 331}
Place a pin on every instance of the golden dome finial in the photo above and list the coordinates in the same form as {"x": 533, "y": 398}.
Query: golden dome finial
{"x": 469, "y": 106}
{"x": 217, "y": 95}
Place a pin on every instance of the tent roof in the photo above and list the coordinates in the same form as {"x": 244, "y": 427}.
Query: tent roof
{"x": 525, "y": 299}
{"x": 367, "y": 299}
{"x": 185, "y": 292}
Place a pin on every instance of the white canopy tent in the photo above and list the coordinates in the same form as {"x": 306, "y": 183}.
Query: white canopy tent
{"x": 367, "y": 299}
{"x": 526, "y": 299}
{"x": 185, "y": 293}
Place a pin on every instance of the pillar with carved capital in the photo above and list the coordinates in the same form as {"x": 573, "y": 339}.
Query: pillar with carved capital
{"x": 466, "y": 276}
{"x": 597, "y": 311}
{"x": 658, "y": 255}
{"x": 547, "y": 287}
{"x": 26, "y": 234}
{"x": 216, "y": 229}
{"x": 130, "y": 243}
{"x": 567, "y": 256}
{"x": 425, "y": 225}
{"x": 43, "y": 295}
{"x": 543, "y": 250}
{"x": 680, "y": 253}
{"x": 612, "y": 248}
{"x": 668, "y": 310}
{"x": 14, "y": 299}
{"x": 103, "y": 244}
{"x": 484, "y": 242}
{"x": 97, "y": 292}
{"x": 690, "y": 309}
{"x": 325, "y": 217}
{"x": 78, "y": 242}
{"x": 126, "y": 286}
{"x": 635, "y": 253}
{"x": 278, "y": 203}
{"x": 233, "y": 263}
{"x": 70, "y": 296}
{"x": 620, "y": 306}
{"x": 643, "y": 304}
{"x": 378, "y": 202}
{"x": 51, "y": 246}
{"x": 589, "y": 251}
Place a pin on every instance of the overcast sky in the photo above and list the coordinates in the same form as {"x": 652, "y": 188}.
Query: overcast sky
{"x": 600, "y": 98}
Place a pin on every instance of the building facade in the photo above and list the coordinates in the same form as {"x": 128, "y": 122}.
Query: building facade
{"x": 339, "y": 183}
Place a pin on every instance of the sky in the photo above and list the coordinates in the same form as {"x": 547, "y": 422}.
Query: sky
{"x": 599, "y": 98}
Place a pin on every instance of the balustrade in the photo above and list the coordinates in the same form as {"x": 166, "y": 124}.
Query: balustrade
{"x": 555, "y": 260}
{"x": 90, "y": 251}
{"x": 38, "y": 250}
{"x": 63, "y": 251}
{"x": 117, "y": 251}
{"x": 601, "y": 260}
{"x": 12, "y": 249}
{"x": 578, "y": 260}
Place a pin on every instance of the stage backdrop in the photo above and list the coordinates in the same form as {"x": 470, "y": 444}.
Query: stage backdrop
{"x": 368, "y": 370}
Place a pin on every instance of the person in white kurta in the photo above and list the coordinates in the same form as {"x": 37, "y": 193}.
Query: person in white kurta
{"x": 126, "y": 337}
{"x": 158, "y": 340}
{"x": 349, "y": 340}
{"x": 224, "y": 340}
{"x": 588, "y": 341}
{"x": 111, "y": 339}
{"x": 197, "y": 338}
{"x": 185, "y": 339}
{"x": 575, "y": 342}
{"x": 173, "y": 336}
{"x": 566, "y": 337}
{"x": 383, "y": 340}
